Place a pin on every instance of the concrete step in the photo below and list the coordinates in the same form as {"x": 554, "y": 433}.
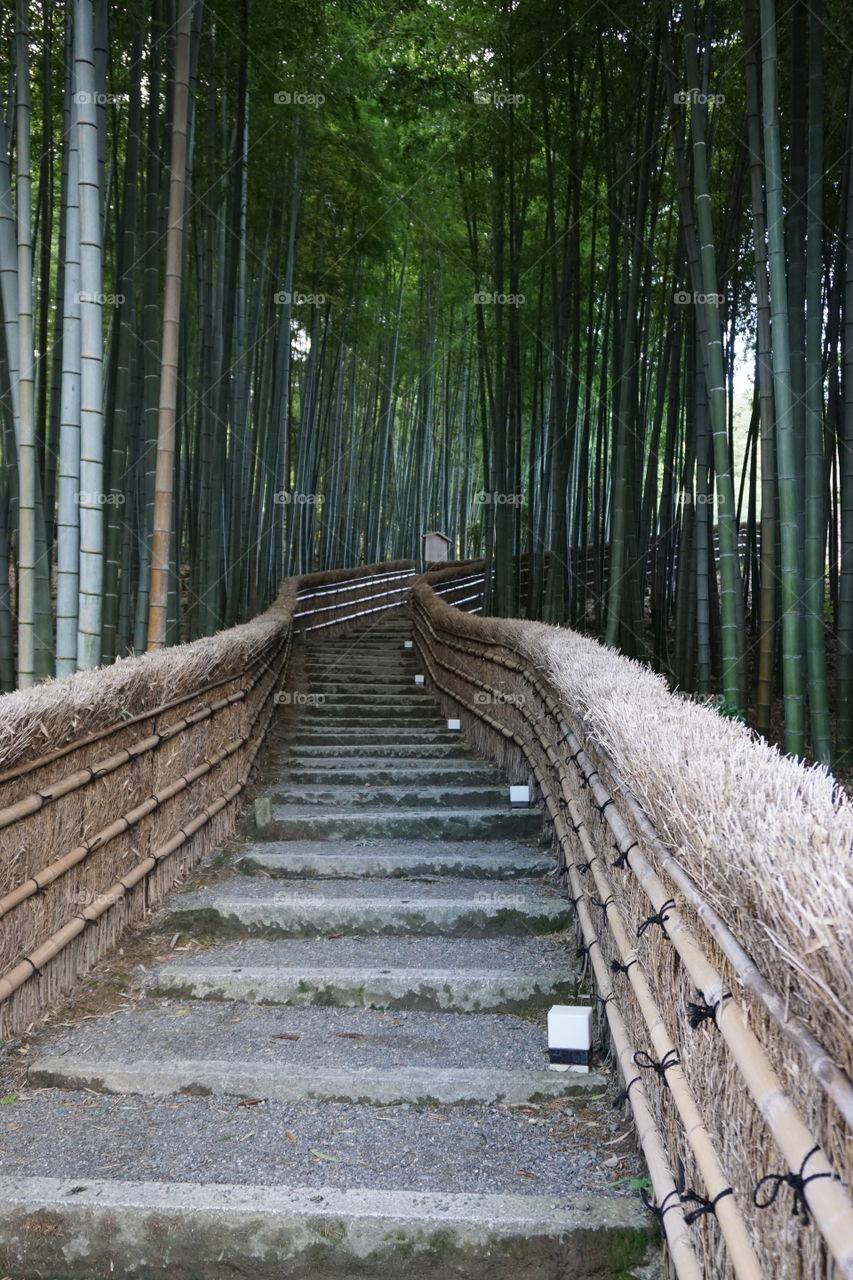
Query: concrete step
{"x": 366, "y": 703}
{"x": 396, "y": 858}
{"x": 332, "y": 771}
{"x": 333, "y": 721}
{"x": 451, "y": 747}
{"x": 435, "y": 974}
{"x": 246, "y": 906}
{"x": 433, "y": 990}
{"x": 297, "y": 1232}
{"x": 294, "y": 822}
{"x": 409, "y": 699}
{"x": 397, "y": 794}
{"x": 364, "y": 737}
{"x": 370, "y": 1086}
{"x": 339, "y": 684}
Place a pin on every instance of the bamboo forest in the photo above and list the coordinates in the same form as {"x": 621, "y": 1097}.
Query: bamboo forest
{"x": 287, "y": 283}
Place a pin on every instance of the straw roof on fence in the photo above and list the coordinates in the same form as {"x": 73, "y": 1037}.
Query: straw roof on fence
{"x": 55, "y": 712}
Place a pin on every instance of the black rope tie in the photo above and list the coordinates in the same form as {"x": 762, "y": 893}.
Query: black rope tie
{"x": 617, "y": 966}
{"x": 573, "y": 759}
{"x": 575, "y": 901}
{"x": 36, "y": 970}
{"x": 583, "y": 866}
{"x": 704, "y": 1206}
{"x": 602, "y": 807}
{"x": 704, "y": 1012}
{"x": 583, "y": 952}
{"x": 576, "y": 826}
{"x": 658, "y": 918}
{"x": 658, "y": 1211}
{"x": 602, "y": 906}
{"x": 86, "y": 920}
{"x": 670, "y": 1059}
{"x": 796, "y": 1181}
{"x": 605, "y": 1000}
{"x": 622, "y": 860}
{"x": 624, "y": 1095}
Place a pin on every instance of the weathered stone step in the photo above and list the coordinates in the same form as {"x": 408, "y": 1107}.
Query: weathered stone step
{"x": 292, "y": 1232}
{"x": 451, "y": 747}
{"x": 413, "y": 858}
{"x": 365, "y": 689}
{"x": 311, "y": 735}
{"x": 390, "y": 795}
{"x": 331, "y": 721}
{"x": 431, "y": 990}
{"x": 367, "y": 1085}
{"x": 332, "y": 770}
{"x": 292, "y": 822}
{"x": 247, "y": 907}
{"x": 408, "y": 699}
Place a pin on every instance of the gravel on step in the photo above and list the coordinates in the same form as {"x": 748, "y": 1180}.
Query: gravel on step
{"x": 462, "y": 1149}
{"x": 326, "y": 1037}
{"x": 405, "y": 952}
{"x": 262, "y": 889}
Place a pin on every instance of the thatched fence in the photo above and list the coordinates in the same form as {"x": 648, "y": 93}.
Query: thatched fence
{"x": 115, "y": 782}
{"x": 711, "y": 878}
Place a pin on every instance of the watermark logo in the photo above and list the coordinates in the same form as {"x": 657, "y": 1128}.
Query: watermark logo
{"x": 102, "y": 299}
{"x": 485, "y": 98}
{"x": 499, "y": 899}
{"x": 285, "y": 98}
{"x": 683, "y": 499}
{"x": 284, "y": 296}
{"x": 684, "y": 96}
{"x": 85, "y": 498}
{"x": 290, "y": 497}
{"x": 85, "y": 99}
{"x": 483, "y": 698}
{"x": 297, "y": 699}
{"x": 494, "y": 499}
{"x": 484, "y": 299}
{"x": 683, "y": 298}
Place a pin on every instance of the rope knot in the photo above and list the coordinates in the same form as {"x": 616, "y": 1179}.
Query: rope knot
{"x": 659, "y": 917}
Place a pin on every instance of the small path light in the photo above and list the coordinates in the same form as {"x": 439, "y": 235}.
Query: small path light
{"x": 419, "y": 681}
{"x": 569, "y": 1036}
{"x": 408, "y": 644}
{"x": 454, "y": 724}
{"x": 519, "y": 797}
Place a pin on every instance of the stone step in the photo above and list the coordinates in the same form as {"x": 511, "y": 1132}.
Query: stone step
{"x": 396, "y": 858}
{"x": 387, "y": 700}
{"x": 297, "y": 1232}
{"x": 328, "y": 720}
{"x": 294, "y": 822}
{"x": 389, "y": 796}
{"x": 310, "y": 735}
{"x": 332, "y": 770}
{"x": 432, "y": 990}
{"x": 369, "y": 1086}
{"x": 365, "y": 689}
{"x": 451, "y": 748}
{"x": 246, "y": 906}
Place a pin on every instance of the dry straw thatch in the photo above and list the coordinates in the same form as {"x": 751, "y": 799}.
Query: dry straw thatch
{"x": 116, "y": 782}
{"x": 656, "y": 799}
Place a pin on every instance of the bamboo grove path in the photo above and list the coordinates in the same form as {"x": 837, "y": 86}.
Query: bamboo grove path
{"x": 344, "y": 1070}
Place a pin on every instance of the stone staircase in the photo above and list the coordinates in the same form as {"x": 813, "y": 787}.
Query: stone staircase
{"x": 345, "y": 1074}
